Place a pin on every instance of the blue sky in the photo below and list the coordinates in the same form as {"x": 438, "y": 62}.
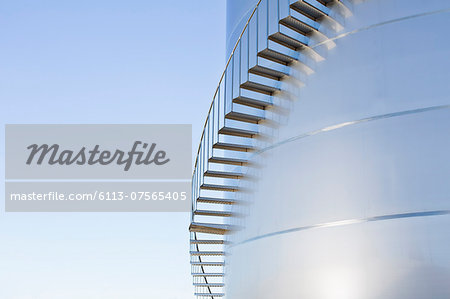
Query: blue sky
{"x": 104, "y": 62}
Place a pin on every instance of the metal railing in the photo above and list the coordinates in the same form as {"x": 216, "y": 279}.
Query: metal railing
{"x": 263, "y": 21}
{"x": 221, "y": 79}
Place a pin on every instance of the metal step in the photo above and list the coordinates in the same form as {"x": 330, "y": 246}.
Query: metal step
{"x": 344, "y": 6}
{"x": 233, "y": 146}
{"x": 213, "y": 213}
{"x": 238, "y": 132}
{"x": 223, "y": 174}
{"x": 216, "y": 200}
{"x": 207, "y": 274}
{"x": 211, "y": 264}
{"x": 208, "y": 253}
{"x": 264, "y": 71}
{"x": 219, "y": 187}
{"x": 257, "y": 87}
{"x": 278, "y": 53}
{"x": 310, "y": 8}
{"x": 250, "y": 118}
{"x": 331, "y": 2}
{"x": 298, "y": 23}
{"x": 209, "y": 228}
{"x": 318, "y": 10}
{"x": 326, "y": 2}
{"x": 210, "y": 241}
{"x": 300, "y": 26}
{"x": 209, "y": 295}
{"x": 290, "y": 38}
{"x": 287, "y": 41}
{"x": 253, "y": 99}
{"x": 245, "y": 113}
{"x": 210, "y": 285}
{"x": 230, "y": 161}
{"x": 261, "y": 84}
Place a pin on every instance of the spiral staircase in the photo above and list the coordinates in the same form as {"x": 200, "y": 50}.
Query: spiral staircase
{"x": 278, "y": 35}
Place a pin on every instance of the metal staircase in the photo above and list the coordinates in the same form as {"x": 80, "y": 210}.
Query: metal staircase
{"x": 278, "y": 34}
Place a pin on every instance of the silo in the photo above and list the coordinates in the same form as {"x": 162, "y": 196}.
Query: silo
{"x": 345, "y": 193}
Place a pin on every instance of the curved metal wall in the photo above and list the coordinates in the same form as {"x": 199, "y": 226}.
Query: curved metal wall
{"x": 349, "y": 197}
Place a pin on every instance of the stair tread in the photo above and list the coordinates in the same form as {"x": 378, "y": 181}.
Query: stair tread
{"x": 233, "y": 146}
{"x": 210, "y": 241}
{"x": 224, "y": 174}
{"x": 207, "y": 253}
{"x": 298, "y": 25}
{"x": 219, "y": 187}
{"x": 288, "y": 41}
{"x": 208, "y": 274}
{"x": 216, "y": 200}
{"x": 209, "y": 228}
{"x": 267, "y": 71}
{"x": 237, "y": 132}
{"x": 231, "y": 161}
{"x": 212, "y": 213}
{"x": 244, "y": 117}
{"x": 310, "y": 8}
{"x": 252, "y": 102}
{"x": 259, "y": 87}
{"x": 276, "y": 56}
{"x": 207, "y": 263}
{"x": 211, "y": 284}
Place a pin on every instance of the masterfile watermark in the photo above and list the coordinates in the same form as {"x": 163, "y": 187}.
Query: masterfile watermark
{"x": 97, "y": 196}
{"x": 53, "y": 155}
{"x": 59, "y": 168}
{"x": 98, "y": 151}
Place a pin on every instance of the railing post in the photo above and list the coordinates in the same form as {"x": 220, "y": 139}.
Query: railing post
{"x": 262, "y": 13}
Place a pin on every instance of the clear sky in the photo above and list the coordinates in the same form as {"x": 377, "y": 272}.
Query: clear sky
{"x": 104, "y": 62}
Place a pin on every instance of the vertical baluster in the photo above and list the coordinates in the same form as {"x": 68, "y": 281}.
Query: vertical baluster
{"x": 252, "y": 31}
{"x": 222, "y": 103}
{"x": 207, "y": 142}
{"x": 213, "y": 123}
{"x": 217, "y": 113}
{"x": 236, "y": 73}
{"x": 244, "y": 60}
{"x": 262, "y": 25}
{"x": 229, "y": 86}
{"x": 273, "y": 16}
{"x": 206, "y": 146}
{"x": 196, "y": 188}
{"x": 193, "y": 192}
{"x": 211, "y": 134}
{"x": 283, "y": 9}
{"x": 202, "y": 156}
{"x": 217, "y": 104}
{"x": 198, "y": 181}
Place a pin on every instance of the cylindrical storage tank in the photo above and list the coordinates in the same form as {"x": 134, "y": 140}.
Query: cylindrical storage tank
{"x": 349, "y": 194}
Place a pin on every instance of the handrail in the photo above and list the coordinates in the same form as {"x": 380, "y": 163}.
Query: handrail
{"x": 220, "y": 81}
